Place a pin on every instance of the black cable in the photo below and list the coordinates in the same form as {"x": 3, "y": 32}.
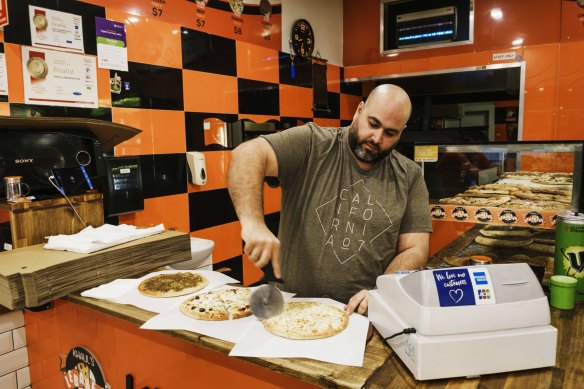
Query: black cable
{"x": 405, "y": 331}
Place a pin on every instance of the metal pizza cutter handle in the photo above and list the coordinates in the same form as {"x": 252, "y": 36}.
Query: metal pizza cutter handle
{"x": 266, "y": 301}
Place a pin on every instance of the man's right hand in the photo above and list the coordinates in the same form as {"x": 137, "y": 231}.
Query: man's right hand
{"x": 262, "y": 246}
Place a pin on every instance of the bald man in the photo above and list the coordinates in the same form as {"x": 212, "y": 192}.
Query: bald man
{"x": 353, "y": 208}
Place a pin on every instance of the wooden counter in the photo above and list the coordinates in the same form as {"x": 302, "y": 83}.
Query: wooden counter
{"x": 382, "y": 368}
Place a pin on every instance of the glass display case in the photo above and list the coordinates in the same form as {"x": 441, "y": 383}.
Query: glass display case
{"x": 523, "y": 183}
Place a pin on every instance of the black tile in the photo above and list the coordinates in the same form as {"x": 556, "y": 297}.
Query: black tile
{"x": 302, "y": 70}
{"x": 208, "y": 53}
{"x": 351, "y": 88}
{"x": 288, "y": 122}
{"x": 165, "y": 88}
{"x": 195, "y": 135}
{"x": 29, "y": 110}
{"x": 149, "y": 86}
{"x": 210, "y": 208}
{"x": 333, "y": 105}
{"x": 163, "y": 174}
{"x": 134, "y": 86}
{"x": 247, "y": 9}
{"x": 345, "y": 123}
{"x": 18, "y": 31}
{"x": 258, "y": 97}
{"x": 273, "y": 222}
{"x": 231, "y": 267}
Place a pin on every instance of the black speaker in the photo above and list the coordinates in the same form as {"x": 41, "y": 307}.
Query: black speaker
{"x": 32, "y": 155}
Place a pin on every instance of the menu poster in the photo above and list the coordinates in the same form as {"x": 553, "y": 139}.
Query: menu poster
{"x": 3, "y": 75}
{"x": 55, "y": 30}
{"x": 58, "y": 78}
{"x": 112, "y": 52}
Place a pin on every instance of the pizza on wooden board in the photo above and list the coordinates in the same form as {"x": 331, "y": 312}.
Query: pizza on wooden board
{"x": 172, "y": 284}
{"x": 307, "y": 320}
{"x": 224, "y": 304}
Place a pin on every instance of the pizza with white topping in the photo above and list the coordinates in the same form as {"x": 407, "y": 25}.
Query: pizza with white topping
{"x": 224, "y": 304}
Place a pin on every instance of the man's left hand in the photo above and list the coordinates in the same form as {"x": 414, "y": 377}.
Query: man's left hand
{"x": 358, "y": 303}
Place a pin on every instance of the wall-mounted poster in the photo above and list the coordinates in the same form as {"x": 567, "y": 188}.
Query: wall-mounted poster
{"x": 58, "y": 78}
{"x": 55, "y": 30}
{"x": 112, "y": 51}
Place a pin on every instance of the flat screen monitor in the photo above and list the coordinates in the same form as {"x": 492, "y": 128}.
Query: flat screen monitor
{"x": 124, "y": 186}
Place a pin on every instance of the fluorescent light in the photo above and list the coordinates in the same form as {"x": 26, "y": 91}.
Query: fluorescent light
{"x": 517, "y": 42}
{"x": 497, "y": 14}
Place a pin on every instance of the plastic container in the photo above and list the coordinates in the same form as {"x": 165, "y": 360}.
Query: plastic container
{"x": 562, "y": 292}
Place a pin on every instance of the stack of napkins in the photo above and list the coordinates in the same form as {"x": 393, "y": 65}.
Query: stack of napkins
{"x": 92, "y": 239}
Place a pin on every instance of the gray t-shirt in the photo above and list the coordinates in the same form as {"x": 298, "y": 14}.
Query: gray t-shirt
{"x": 339, "y": 224}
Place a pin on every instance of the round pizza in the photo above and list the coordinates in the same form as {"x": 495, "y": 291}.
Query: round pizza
{"x": 224, "y": 304}
{"x": 307, "y": 320}
{"x": 172, "y": 284}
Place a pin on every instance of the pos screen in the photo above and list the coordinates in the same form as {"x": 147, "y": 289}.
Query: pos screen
{"x": 72, "y": 180}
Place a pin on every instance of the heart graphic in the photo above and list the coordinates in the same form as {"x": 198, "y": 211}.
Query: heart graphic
{"x": 456, "y": 295}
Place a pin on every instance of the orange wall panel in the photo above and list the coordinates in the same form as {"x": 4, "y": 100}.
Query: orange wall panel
{"x": 13, "y": 55}
{"x": 571, "y": 75}
{"x": 349, "y": 104}
{"x": 570, "y": 124}
{"x": 227, "y": 238}
{"x": 141, "y": 144}
{"x": 257, "y": 63}
{"x": 103, "y": 88}
{"x": 325, "y": 122}
{"x": 208, "y": 92}
{"x": 168, "y": 131}
{"x": 333, "y": 78}
{"x": 539, "y": 125}
{"x": 295, "y": 101}
{"x": 541, "y": 76}
{"x": 272, "y": 199}
{"x": 172, "y": 211}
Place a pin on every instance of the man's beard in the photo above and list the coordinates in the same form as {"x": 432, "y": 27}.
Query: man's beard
{"x": 364, "y": 155}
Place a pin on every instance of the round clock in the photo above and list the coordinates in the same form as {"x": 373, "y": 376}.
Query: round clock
{"x": 302, "y": 38}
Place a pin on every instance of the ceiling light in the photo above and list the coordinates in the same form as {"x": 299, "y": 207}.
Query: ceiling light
{"x": 517, "y": 42}
{"x": 497, "y": 14}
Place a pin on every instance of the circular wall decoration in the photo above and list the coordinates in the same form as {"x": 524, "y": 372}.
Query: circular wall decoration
{"x": 302, "y": 38}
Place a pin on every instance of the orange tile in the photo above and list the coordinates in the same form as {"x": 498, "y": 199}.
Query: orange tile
{"x": 333, "y": 78}
{"x": 349, "y": 105}
{"x": 4, "y": 216}
{"x": 295, "y": 101}
{"x": 168, "y": 131}
{"x": 443, "y": 233}
{"x": 217, "y": 163}
{"x": 272, "y": 199}
{"x": 541, "y": 82}
{"x": 571, "y": 76}
{"x": 4, "y": 109}
{"x": 1, "y": 35}
{"x": 251, "y": 273}
{"x": 36, "y": 372}
{"x": 539, "y": 125}
{"x": 103, "y": 88}
{"x": 173, "y": 211}
{"x": 44, "y": 348}
{"x": 149, "y": 40}
{"x": 257, "y": 63}
{"x": 14, "y": 70}
{"x": 571, "y": 22}
{"x": 569, "y": 125}
{"x": 208, "y": 92}
{"x": 227, "y": 238}
{"x": 327, "y": 122}
{"x": 141, "y": 119}
{"x": 414, "y": 65}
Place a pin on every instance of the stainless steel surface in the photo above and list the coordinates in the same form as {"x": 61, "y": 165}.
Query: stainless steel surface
{"x": 266, "y": 301}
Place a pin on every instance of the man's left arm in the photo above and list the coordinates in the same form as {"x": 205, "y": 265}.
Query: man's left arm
{"x": 412, "y": 249}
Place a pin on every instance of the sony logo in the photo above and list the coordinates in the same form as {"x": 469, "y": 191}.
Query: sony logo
{"x": 24, "y": 160}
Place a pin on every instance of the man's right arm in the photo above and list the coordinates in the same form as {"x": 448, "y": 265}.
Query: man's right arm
{"x": 250, "y": 163}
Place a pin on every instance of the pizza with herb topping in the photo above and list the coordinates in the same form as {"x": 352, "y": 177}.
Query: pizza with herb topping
{"x": 172, "y": 284}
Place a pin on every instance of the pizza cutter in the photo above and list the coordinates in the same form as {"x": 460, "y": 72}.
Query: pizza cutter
{"x": 266, "y": 301}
